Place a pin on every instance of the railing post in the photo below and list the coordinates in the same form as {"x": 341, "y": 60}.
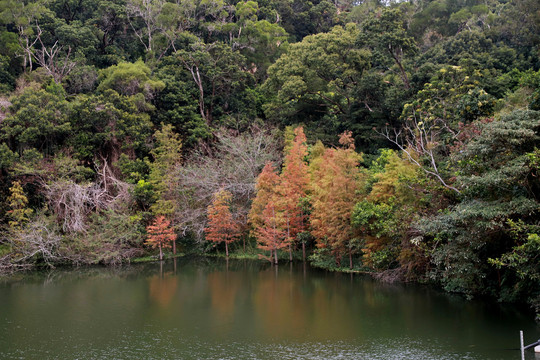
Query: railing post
{"x": 521, "y": 345}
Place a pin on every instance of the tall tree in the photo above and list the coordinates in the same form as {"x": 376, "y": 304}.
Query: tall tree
{"x": 336, "y": 185}
{"x": 220, "y": 77}
{"x": 160, "y": 234}
{"x": 266, "y": 189}
{"x": 221, "y": 225}
{"x": 167, "y": 156}
{"x": 316, "y": 82}
{"x": 383, "y": 219}
{"x": 23, "y": 16}
{"x": 293, "y": 187}
{"x": 148, "y": 12}
{"x": 130, "y": 79}
{"x": 38, "y": 119}
{"x": 499, "y": 184}
{"x": 385, "y": 33}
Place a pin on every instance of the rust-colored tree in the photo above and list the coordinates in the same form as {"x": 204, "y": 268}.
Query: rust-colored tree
{"x": 293, "y": 187}
{"x": 221, "y": 225}
{"x": 270, "y": 233}
{"x": 336, "y": 185}
{"x": 266, "y": 188}
{"x": 160, "y": 234}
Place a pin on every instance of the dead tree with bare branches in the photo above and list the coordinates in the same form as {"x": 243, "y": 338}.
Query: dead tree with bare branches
{"x": 37, "y": 242}
{"x": 232, "y": 163}
{"x": 55, "y": 60}
{"x": 72, "y": 202}
{"x": 421, "y": 141}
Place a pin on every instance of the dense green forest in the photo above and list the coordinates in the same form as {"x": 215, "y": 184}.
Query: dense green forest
{"x": 399, "y": 138}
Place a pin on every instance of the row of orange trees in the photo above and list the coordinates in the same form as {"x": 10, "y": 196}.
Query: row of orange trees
{"x": 314, "y": 193}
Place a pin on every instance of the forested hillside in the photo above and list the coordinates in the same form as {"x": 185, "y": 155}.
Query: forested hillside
{"x": 400, "y": 138}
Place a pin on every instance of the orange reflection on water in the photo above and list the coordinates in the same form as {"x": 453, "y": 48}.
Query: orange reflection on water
{"x": 223, "y": 288}
{"x": 278, "y": 301}
{"x": 162, "y": 289}
{"x": 289, "y": 307}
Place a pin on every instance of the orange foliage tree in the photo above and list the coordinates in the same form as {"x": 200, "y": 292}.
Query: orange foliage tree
{"x": 264, "y": 215}
{"x": 270, "y": 233}
{"x": 221, "y": 225}
{"x": 293, "y": 187}
{"x": 160, "y": 234}
{"x": 336, "y": 184}
{"x": 265, "y": 187}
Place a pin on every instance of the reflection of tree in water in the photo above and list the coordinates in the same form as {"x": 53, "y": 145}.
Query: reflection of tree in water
{"x": 277, "y": 300}
{"x": 310, "y": 309}
{"x": 223, "y": 291}
{"x": 162, "y": 288}
{"x": 59, "y": 275}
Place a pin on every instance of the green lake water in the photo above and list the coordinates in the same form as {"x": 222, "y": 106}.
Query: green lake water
{"x": 213, "y": 309}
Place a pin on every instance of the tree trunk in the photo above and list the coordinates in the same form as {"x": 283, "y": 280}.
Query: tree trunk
{"x": 289, "y": 238}
{"x": 197, "y": 78}
{"x": 226, "y": 249}
{"x": 350, "y": 259}
{"x": 290, "y": 253}
{"x": 303, "y": 251}
{"x": 160, "y": 253}
{"x": 275, "y": 257}
{"x": 199, "y": 83}
{"x": 174, "y": 247}
{"x": 404, "y": 76}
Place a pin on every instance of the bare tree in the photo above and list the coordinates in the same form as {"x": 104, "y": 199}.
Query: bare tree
{"x": 24, "y": 15}
{"x": 159, "y": 17}
{"x": 37, "y": 241}
{"x": 421, "y": 140}
{"x": 4, "y": 105}
{"x": 27, "y": 44}
{"x": 72, "y": 202}
{"x": 148, "y": 11}
{"x": 53, "y": 59}
{"x": 232, "y": 163}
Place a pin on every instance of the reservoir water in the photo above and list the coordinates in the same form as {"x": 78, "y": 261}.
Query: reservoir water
{"x": 213, "y": 309}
